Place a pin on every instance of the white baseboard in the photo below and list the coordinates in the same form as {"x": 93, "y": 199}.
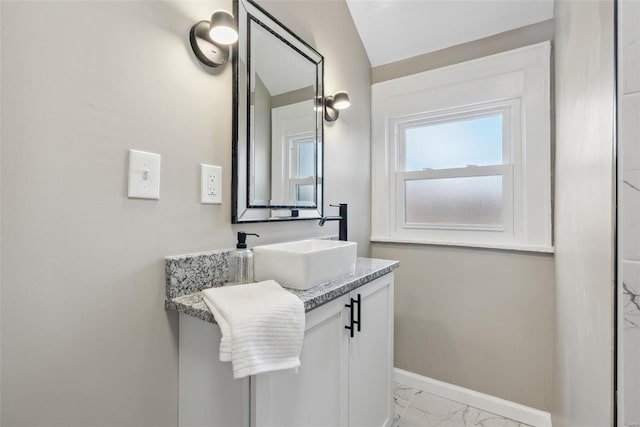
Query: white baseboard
{"x": 504, "y": 408}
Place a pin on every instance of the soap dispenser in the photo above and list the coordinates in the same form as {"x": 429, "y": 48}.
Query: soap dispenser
{"x": 241, "y": 261}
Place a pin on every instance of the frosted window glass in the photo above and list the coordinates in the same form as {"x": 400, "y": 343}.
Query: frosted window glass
{"x": 476, "y": 141}
{"x": 470, "y": 200}
{"x": 304, "y": 193}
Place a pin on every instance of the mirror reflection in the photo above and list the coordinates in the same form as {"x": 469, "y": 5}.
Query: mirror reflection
{"x": 278, "y": 119}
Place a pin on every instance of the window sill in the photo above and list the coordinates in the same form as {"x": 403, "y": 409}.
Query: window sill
{"x": 503, "y": 247}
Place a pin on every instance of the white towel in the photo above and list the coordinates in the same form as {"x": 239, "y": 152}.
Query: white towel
{"x": 262, "y": 326}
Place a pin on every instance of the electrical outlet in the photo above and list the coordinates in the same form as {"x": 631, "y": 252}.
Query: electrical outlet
{"x": 210, "y": 184}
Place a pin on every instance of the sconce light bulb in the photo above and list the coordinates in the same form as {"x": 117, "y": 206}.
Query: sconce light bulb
{"x": 341, "y": 101}
{"x": 223, "y": 28}
{"x": 223, "y": 35}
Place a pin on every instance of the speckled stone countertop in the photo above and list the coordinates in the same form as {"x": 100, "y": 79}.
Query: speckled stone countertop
{"x": 367, "y": 270}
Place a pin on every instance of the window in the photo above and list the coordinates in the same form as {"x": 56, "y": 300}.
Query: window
{"x": 302, "y": 166}
{"x": 461, "y": 155}
{"x": 455, "y": 169}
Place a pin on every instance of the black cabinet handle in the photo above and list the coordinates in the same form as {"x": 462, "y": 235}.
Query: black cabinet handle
{"x": 359, "y": 321}
{"x": 352, "y": 321}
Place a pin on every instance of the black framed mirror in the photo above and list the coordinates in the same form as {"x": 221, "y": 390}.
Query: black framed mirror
{"x": 277, "y": 121}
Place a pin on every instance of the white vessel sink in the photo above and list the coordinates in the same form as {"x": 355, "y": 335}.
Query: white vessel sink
{"x": 305, "y": 263}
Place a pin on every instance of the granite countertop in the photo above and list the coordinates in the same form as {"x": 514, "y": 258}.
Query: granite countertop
{"x": 367, "y": 270}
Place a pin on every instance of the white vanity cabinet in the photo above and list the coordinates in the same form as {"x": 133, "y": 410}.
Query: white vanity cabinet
{"x": 371, "y": 357}
{"x": 318, "y": 394}
{"x": 208, "y": 396}
{"x": 343, "y": 380}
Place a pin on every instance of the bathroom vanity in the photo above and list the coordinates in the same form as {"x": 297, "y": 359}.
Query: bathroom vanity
{"x": 279, "y": 109}
{"x": 346, "y": 359}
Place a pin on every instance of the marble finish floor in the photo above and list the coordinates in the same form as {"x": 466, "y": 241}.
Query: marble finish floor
{"x": 417, "y": 408}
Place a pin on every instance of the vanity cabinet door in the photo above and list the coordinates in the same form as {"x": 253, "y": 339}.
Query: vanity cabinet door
{"x": 371, "y": 356}
{"x": 318, "y": 394}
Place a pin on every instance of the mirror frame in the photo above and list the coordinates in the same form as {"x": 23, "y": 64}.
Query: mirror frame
{"x": 242, "y": 210}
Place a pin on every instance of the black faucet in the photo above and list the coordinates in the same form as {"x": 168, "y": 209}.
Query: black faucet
{"x": 342, "y": 218}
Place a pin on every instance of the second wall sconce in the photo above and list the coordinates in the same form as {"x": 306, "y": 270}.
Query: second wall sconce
{"x": 210, "y": 39}
{"x": 333, "y": 105}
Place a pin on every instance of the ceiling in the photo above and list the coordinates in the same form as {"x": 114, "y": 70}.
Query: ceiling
{"x": 392, "y": 30}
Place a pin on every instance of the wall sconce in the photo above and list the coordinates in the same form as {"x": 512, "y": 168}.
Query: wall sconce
{"x": 210, "y": 39}
{"x": 333, "y": 105}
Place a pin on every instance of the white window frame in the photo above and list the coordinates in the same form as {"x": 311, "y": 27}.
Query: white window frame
{"x": 294, "y": 142}
{"x": 515, "y": 84}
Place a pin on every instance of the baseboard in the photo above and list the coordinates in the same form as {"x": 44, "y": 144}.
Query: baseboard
{"x": 504, "y": 408}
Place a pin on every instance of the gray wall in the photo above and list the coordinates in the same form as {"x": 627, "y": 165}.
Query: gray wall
{"x": 475, "y": 318}
{"x": 85, "y": 337}
{"x": 262, "y": 142}
{"x": 292, "y": 97}
{"x": 584, "y": 79}
{"x": 497, "y": 43}
{"x": 479, "y": 319}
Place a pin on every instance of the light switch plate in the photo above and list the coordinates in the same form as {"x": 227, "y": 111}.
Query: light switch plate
{"x": 144, "y": 175}
{"x": 210, "y": 184}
